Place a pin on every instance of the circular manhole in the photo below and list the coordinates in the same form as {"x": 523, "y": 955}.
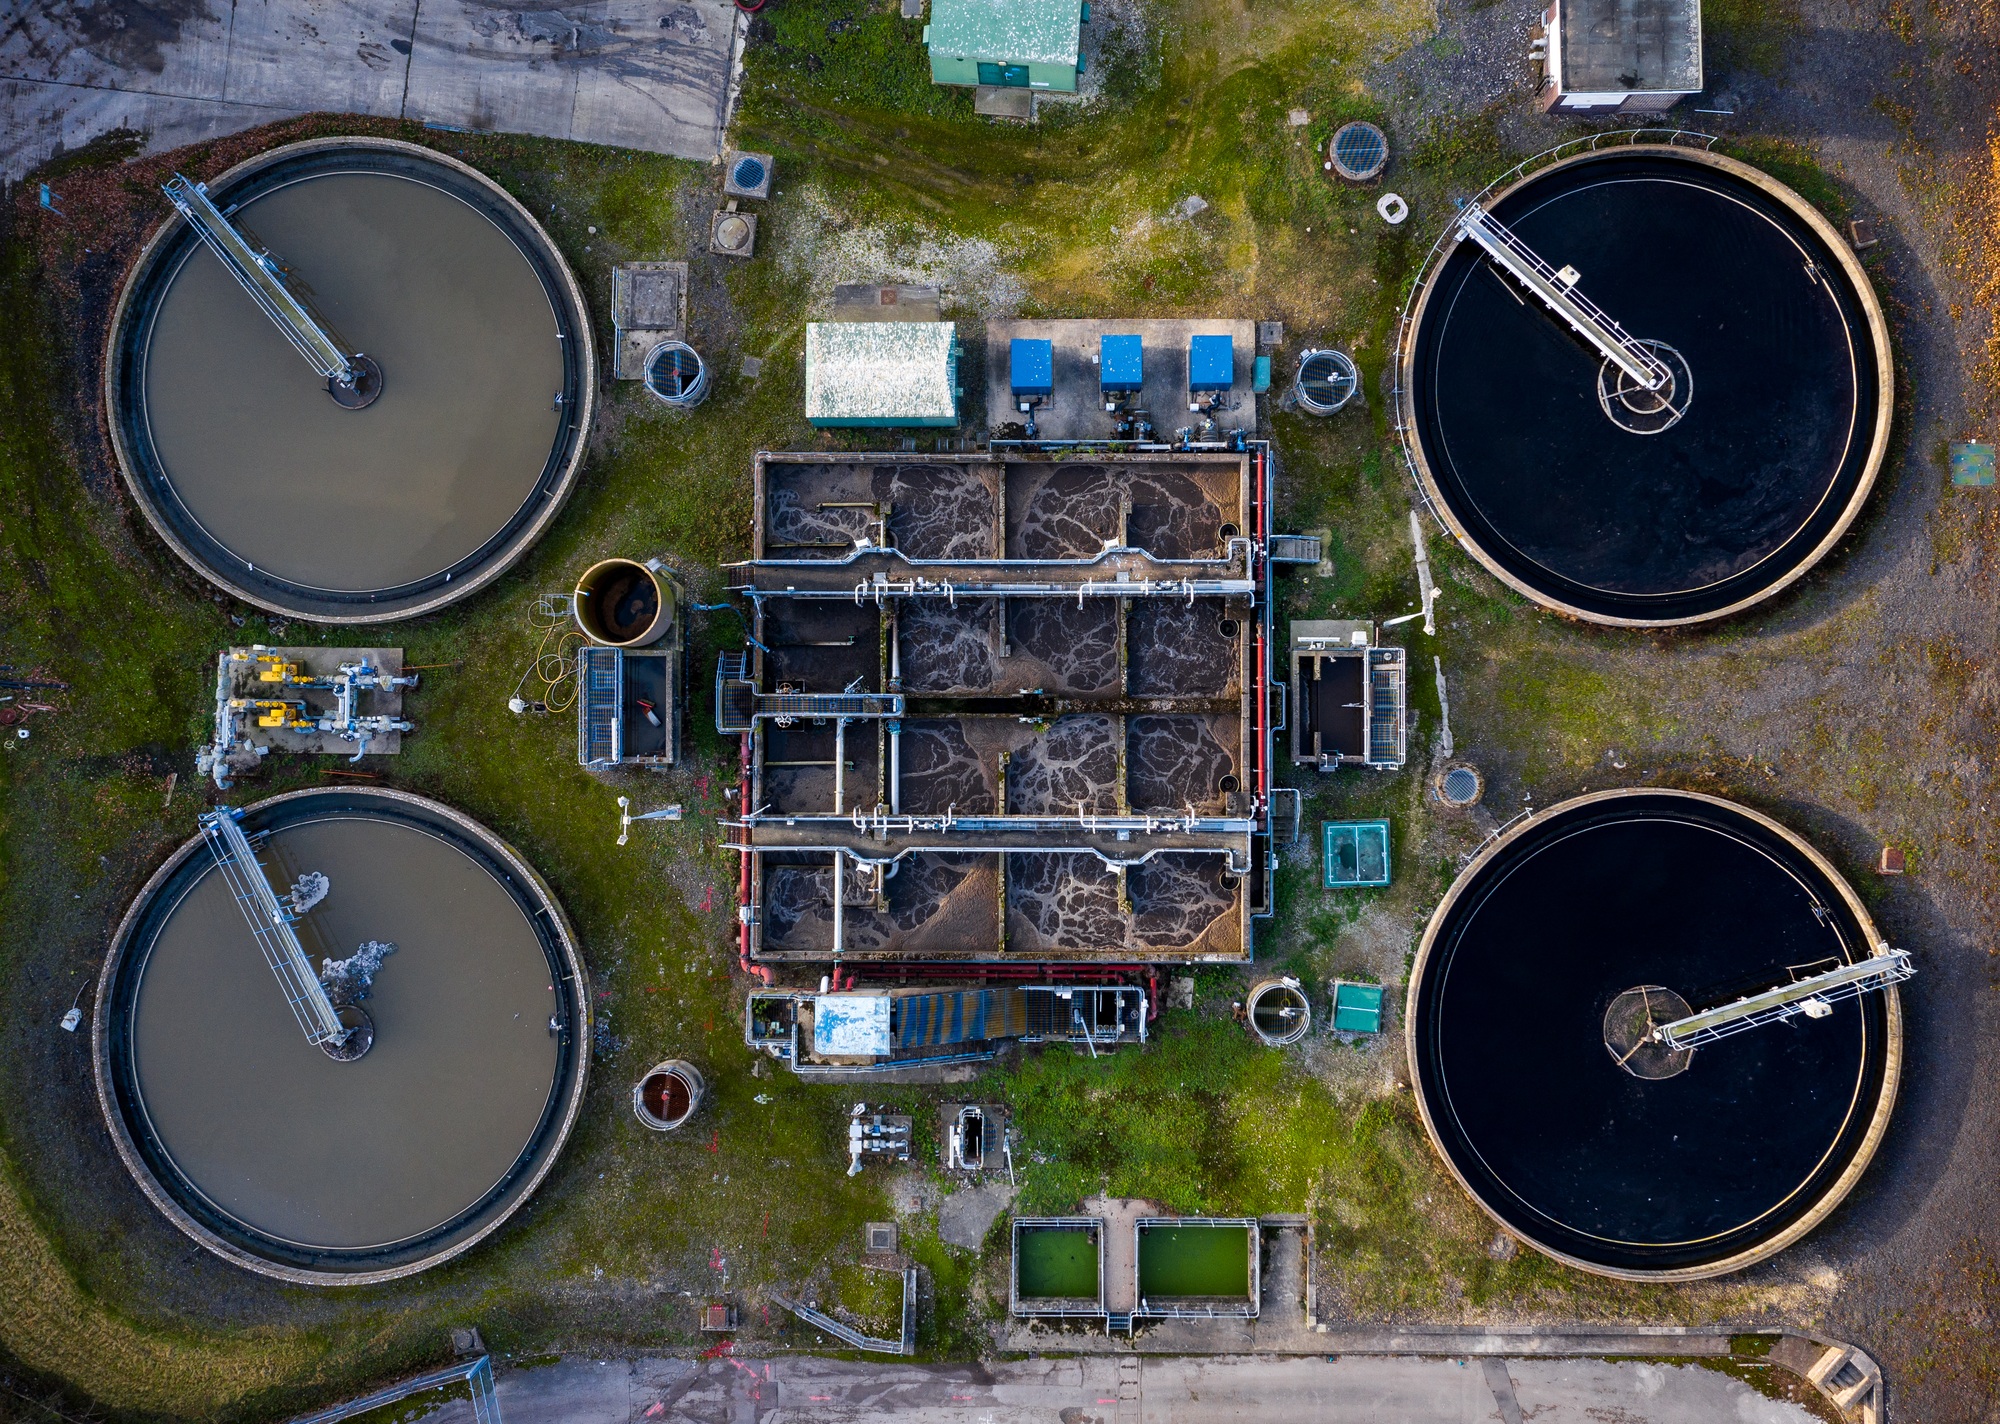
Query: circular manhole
{"x": 732, "y": 233}
{"x": 676, "y": 374}
{"x": 748, "y": 173}
{"x": 1327, "y": 380}
{"x": 1460, "y": 786}
{"x": 1359, "y": 152}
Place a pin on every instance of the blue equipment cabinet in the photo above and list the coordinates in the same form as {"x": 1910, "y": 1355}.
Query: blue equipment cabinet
{"x": 1211, "y": 363}
{"x": 1031, "y": 366}
{"x": 1121, "y": 364}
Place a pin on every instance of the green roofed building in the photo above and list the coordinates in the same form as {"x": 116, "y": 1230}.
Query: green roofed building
{"x": 882, "y": 373}
{"x": 1022, "y": 44}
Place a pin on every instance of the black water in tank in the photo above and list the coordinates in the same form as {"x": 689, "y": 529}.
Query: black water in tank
{"x": 1555, "y": 1137}
{"x": 1712, "y": 511}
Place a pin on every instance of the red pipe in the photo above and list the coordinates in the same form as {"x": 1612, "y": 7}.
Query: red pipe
{"x": 743, "y": 888}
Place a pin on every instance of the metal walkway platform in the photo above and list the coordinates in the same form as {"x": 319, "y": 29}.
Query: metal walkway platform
{"x": 271, "y": 925}
{"x": 259, "y": 274}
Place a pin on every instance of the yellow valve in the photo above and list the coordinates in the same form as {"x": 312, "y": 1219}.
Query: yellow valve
{"x": 273, "y": 668}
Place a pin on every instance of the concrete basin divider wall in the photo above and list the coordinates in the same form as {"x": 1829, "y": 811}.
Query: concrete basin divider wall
{"x": 1192, "y": 1305}
{"x": 1029, "y": 1303}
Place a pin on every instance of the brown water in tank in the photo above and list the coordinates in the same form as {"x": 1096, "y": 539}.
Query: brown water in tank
{"x": 350, "y": 1154}
{"x": 356, "y": 500}
{"x": 624, "y": 603}
{"x": 666, "y": 1096}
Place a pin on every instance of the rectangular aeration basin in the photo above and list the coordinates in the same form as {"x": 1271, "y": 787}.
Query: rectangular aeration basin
{"x": 1058, "y": 1266}
{"x": 1033, "y": 680}
{"x": 1197, "y": 1267}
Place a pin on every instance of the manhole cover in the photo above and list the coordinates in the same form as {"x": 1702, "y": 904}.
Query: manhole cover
{"x": 1460, "y": 786}
{"x": 1359, "y": 152}
{"x": 748, "y": 173}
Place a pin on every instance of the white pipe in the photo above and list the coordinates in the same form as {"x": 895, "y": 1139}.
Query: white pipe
{"x": 839, "y": 898}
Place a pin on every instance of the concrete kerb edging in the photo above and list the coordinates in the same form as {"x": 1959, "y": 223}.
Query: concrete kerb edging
{"x": 1885, "y": 1102}
{"x": 1859, "y": 1395}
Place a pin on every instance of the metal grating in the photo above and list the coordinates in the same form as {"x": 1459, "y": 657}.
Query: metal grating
{"x": 1386, "y": 732}
{"x": 1360, "y": 152}
{"x": 1326, "y": 381}
{"x": 599, "y": 724}
{"x": 1460, "y": 786}
{"x": 748, "y": 173}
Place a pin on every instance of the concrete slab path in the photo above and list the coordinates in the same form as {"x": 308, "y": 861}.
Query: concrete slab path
{"x": 658, "y": 75}
{"x": 1129, "y": 1390}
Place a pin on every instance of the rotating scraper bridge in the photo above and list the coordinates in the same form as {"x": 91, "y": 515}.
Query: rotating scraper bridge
{"x": 1014, "y": 708}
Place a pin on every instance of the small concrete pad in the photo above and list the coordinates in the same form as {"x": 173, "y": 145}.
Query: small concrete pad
{"x": 1075, "y": 411}
{"x": 965, "y": 1217}
{"x": 866, "y": 301}
{"x": 648, "y": 306}
{"x": 998, "y": 101}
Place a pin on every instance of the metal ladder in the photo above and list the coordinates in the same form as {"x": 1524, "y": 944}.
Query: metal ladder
{"x": 1292, "y": 549}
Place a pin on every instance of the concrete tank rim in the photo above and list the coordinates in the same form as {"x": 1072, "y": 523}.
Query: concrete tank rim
{"x": 577, "y": 438}
{"x": 1878, "y": 334}
{"x": 1835, "y": 1192}
{"x": 663, "y": 616}
{"x": 157, "y": 1193}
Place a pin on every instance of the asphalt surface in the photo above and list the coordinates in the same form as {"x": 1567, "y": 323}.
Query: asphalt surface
{"x": 646, "y": 74}
{"x": 1127, "y": 1390}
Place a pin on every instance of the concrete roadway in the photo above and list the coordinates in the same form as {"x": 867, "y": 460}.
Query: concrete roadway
{"x": 647, "y": 74}
{"x": 1127, "y": 1389}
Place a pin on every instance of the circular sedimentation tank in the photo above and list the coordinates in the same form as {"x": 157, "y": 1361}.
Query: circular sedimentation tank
{"x": 1669, "y": 1165}
{"x": 272, "y": 1153}
{"x": 1571, "y": 489}
{"x": 295, "y": 503}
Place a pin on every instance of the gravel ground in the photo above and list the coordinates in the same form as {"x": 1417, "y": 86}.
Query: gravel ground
{"x": 1862, "y": 708}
